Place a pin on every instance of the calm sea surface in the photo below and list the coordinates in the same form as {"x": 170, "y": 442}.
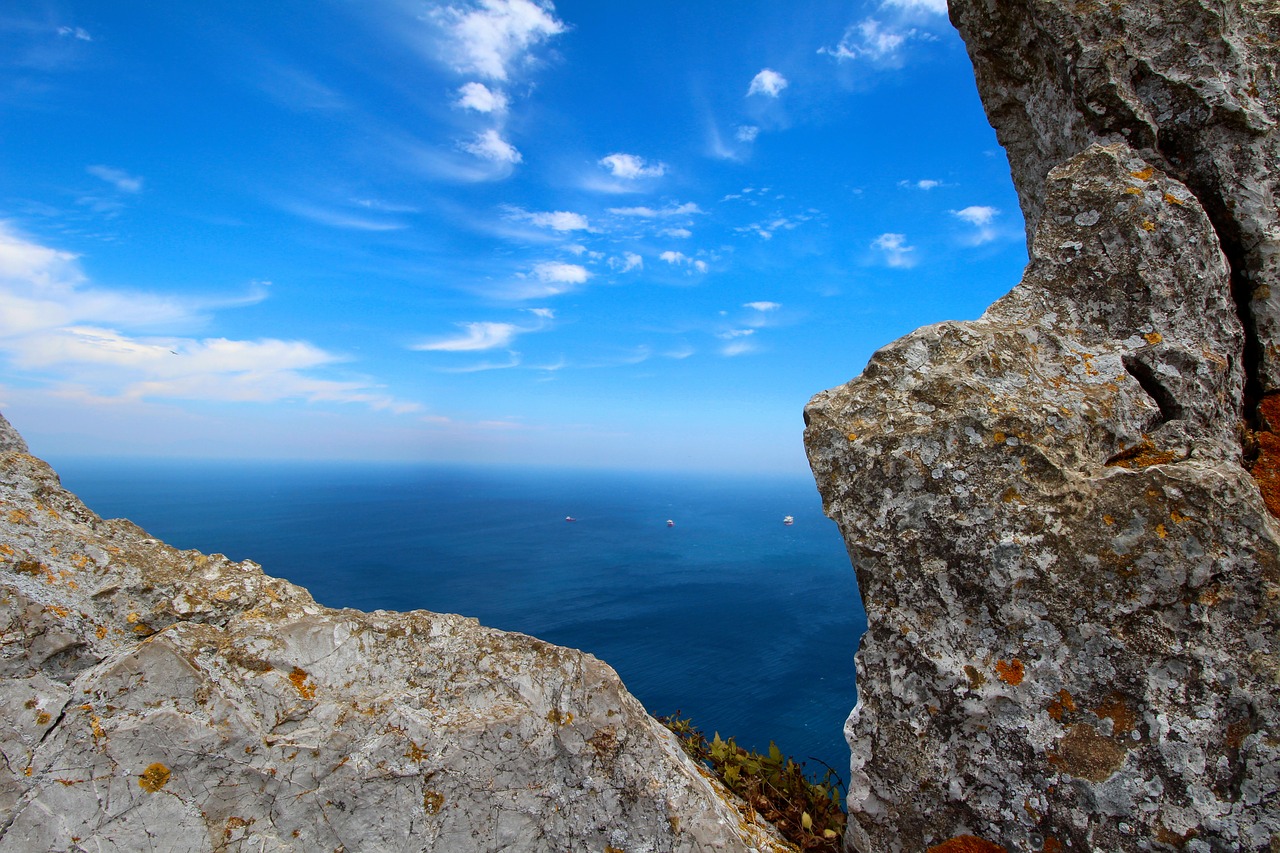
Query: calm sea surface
{"x": 746, "y": 625}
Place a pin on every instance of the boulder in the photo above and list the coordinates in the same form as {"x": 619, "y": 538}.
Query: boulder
{"x": 171, "y": 700}
{"x": 1072, "y": 582}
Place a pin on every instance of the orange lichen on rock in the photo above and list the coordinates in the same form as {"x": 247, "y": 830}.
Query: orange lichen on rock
{"x": 1142, "y": 455}
{"x": 1010, "y": 672}
{"x": 1061, "y": 705}
{"x": 1266, "y": 468}
{"x": 302, "y": 683}
{"x": 967, "y": 844}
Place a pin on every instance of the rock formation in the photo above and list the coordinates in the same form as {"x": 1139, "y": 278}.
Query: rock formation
{"x": 168, "y": 700}
{"x": 1072, "y": 580}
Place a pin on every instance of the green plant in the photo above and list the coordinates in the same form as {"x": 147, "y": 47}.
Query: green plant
{"x": 809, "y": 813}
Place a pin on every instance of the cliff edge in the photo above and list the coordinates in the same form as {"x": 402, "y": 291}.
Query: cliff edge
{"x": 172, "y": 700}
{"x": 1070, "y": 573}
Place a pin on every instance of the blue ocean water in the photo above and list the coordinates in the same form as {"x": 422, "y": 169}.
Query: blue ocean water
{"x": 746, "y": 625}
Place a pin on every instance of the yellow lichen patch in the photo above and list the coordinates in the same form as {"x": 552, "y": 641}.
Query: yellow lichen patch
{"x": 415, "y": 753}
{"x": 998, "y": 437}
{"x": 1108, "y": 520}
{"x": 155, "y": 777}
{"x": 1177, "y": 517}
{"x": 1169, "y": 198}
{"x": 1161, "y": 532}
{"x": 1148, "y": 225}
{"x": 432, "y": 801}
{"x": 101, "y": 633}
{"x": 1133, "y": 191}
{"x": 43, "y": 718}
{"x": 6, "y": 550}
{"x": 1010, "y": 672}
{"x": 301, "y": 682}
{"x": 58, "y": 610}
{"x": 853, "y": 436}
{"x": 559, "y": 718}
{"x": 132, "y": 617}
{"x": 1144, "y": 454}
{"x": 1153, "y": 338}
{"x": 19, "y": 516}
{"x": 1145, "y": 174}
{"x": 95, "y": 725}
{"x": 1011, "y": 495}
{"x": 1059, "y": 706}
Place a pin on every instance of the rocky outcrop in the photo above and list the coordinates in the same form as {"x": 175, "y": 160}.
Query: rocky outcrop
{"x": 1071, "y": 579}
{"x": 168, "y": 700}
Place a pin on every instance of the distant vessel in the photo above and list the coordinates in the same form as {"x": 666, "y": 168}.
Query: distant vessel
{"x": 788, "y": 520}
{"x": 570, "y": 518}
{"x": 670, "y": 523}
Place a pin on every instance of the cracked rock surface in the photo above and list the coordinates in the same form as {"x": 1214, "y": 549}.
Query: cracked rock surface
{"x": 1063, "y": 514}
{"x": 171, "y": 700}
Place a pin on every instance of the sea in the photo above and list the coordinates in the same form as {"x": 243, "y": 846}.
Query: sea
{"x": 743, "y": 624}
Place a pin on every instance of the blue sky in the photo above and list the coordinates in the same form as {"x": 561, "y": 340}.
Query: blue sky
{"x": 622, "y": 234}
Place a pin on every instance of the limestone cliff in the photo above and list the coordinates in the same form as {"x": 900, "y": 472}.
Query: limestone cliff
{"x": 1071, "y": 579}
{"x": 168, "y": 700}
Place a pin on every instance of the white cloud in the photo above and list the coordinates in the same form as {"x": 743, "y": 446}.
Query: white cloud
{"x": 490, "y": 145}
{"x": 490, "y": 38}
{"x": 631, "y": 167}
{"x": 674, "y": 257}
{"x": 737, "y": 347}
{"x": 700, "y": 266}
{"x": 736, "y": 333}
{"x": 747, "y": 133}
{"x": 767, "y": 82}
{"x": 628, "y": 262}
{"x": 337, "y": 218}
{"x": 980, "y": 217}
{"x": 678, "y": 233}
{"x": 542, "y": 313}
{"x": 556, "y": 271}
{"x": 922, "y": 184}
{"x": 475, "y": 337}
{"x": 70, "y": 334}
{"x": 75, "y": 32}
{"x": 896, "y": 251}
{"x": 556, "y": 220}
{"x": 762, "y": 306}
{"x": 686, "y": 209}
{"x": 871, "y": 40}
{"x": 482, "y": 99}
{"x": 932, "y": 7}
{"x": 118, "y": 178}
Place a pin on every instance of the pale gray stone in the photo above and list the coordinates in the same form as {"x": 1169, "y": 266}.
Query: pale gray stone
{"x": 171, "y": 700}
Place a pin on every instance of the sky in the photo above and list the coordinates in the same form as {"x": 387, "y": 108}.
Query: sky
{"x": 600, "y": 234}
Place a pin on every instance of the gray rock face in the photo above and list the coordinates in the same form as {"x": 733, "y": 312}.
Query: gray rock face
{"x": 1191, "y": 85}
{"x": 169, "y": 700}
{"x": 1072, "y": 583}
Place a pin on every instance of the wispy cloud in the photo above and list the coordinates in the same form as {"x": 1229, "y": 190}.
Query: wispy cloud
{"x": 686, "y": 209}
{"x": 894, "y": 250}
{"x": 78, "y": 338}
{"x": 931, "y": 7}
{"x": 630, "y": 167}
{"x": 556, "y": 220}
{"x": 492, "y": 38}
{"x": 79, "y": 33}
{"x": 678, "y": 233}
{"x": 489, "y": 145}
{"x": 628, "y": 262}
{"x": 475, "y": 337}
{"x": 118, "y": 178}
{"x": 342, "y": 219}
{"x": 747, "y": 133}
{"x": 482, "y": 99}
{"x": 925, "y": 184}
{"x": 767, "y": 82}
{"x": 981, "y": 218}
{"x": 681, "y": 259}
{"x": 762, "y": 307}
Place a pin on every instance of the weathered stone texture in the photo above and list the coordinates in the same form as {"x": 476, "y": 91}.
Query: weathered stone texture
{"x": 1071, "y": 581}
{"x": 1191, "y": 85}
{"x": 169, "y": 700}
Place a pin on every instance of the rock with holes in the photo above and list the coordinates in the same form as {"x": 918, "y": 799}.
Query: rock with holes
{"x": 1071, "y": 581}
{"x": 1191, "y": 85}
{"x": 168, "y": 700}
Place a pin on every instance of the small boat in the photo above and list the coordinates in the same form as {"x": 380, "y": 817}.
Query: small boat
{"x": 570, "y": 518}
{"x": 670, "y": 523}
{"x": 788, "y": 520}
